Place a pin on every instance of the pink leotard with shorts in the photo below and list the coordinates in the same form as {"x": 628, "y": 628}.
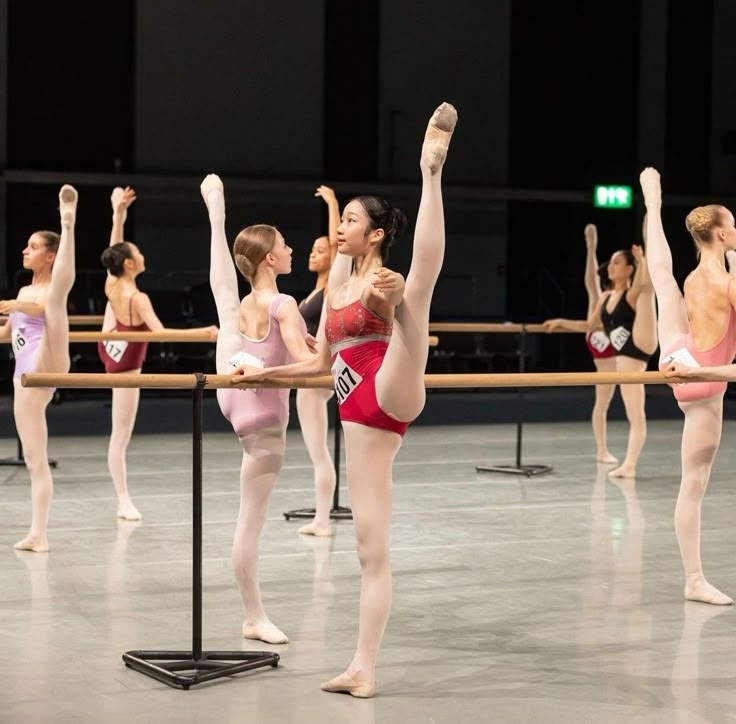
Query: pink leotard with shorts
{"x": 358, "y": 340}
{"x": 254, "y": 410}
{"x": 683, "y": 350}
{"x": 26, "y": 334}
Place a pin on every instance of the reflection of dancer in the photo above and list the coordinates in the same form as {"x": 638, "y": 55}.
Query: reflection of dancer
{"x": 264, "y": 329}
{"x": 376, "y": 328}
{"x": 597, "y": 341}
{"x": 128, "y": 310}
{"x": 39, "y": 329}
{"x": 311, "y": 404}
{"x": 627, "y": 313}
{"x": 697, "y": 329}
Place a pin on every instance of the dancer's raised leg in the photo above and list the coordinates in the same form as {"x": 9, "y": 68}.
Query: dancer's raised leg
{"x": 370, "y": 455}
{"x": 400, "y": 381}
{"x": 311, "y": 406}
{"x": 700, "y": 439}
{"x": 263, "y": 455}
{"x": 124, "y": 410}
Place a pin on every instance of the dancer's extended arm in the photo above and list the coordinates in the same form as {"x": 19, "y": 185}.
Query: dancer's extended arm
{"x": 333, "y": 217}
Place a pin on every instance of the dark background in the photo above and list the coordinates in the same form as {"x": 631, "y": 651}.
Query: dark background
{"x": 279, "y": 97}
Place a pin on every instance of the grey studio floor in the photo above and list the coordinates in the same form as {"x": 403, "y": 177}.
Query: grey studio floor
{"x": 550, "y": 599}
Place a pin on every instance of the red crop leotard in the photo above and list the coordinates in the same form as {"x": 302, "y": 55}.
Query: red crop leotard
{"x": 358, "y": 340}
{"x": 120, "y": 356}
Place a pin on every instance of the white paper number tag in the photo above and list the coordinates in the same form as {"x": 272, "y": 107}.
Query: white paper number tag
{"x": 599, "y": 341}
{"x": 18, "y": 341}
{"x": 243, "y": 358}
{"x": 346, "y": 379}
{"x": 115, "y": 349}
{"x": 682, "y": 356}
{"x": 619, "y": 337}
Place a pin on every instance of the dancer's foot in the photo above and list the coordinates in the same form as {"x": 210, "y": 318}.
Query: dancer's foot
{"x": 623, "y": 471}
{"x": 264, "y": 631}
{"x": 312, "y": 528}
{"x": 651, "y": 186}
{"x": 606, "y": 458}
{"x": 437, "y": 138}
{"x": 352, "y": 684}
{"x": 213, "y": 194}
{"x": 128, "y": 511}
{"x": 68, "y": 204}
{"x": 698, "y": 589}
{"x": 32, "y": 543}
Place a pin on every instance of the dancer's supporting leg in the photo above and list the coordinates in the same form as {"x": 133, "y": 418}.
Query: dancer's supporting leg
{"x": 124, "y": 410}
{"x": 311, "y": 405}
{"x": 29, "y": 404}
{"x": 263, "y": 455}
{"x": 400, "y": 393}
{"x": 634, "y": 398}
{"x": 599, "y": 419}
{"x": 701, "y": 436}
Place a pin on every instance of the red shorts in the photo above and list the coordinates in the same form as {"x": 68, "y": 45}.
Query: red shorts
{"x": 599, "y": 345}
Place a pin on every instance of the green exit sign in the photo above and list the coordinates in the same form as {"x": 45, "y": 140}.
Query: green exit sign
{"x": 612, "y": 197}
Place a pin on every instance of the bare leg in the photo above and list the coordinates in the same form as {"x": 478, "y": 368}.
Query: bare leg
{"x": 370, "y": 455}
{"x": 700, "y": 439}
{"x": 263, "y": 455}
{"x": 644, "y": 332}
{"x": 223, "y": 278}
{"x": 124, "y": 410}
{"x": 400, "y": 381}
{"x": 603, "y": 397}
{"x": 311, "y": 406}
{"x": 634, "y": 398}
{"x": 29, "y": 408}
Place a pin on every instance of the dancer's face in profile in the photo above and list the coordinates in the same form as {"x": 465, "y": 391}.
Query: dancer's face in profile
{"x": 619, "y": 269}
{"x": 36, "y": 255}
{"x": 280, "y": 255}
{"x": 728, "y": 230}
{"x": 320, "y": 257}
{"x": 354, "y": 235}
{"x": 137, "y": 260}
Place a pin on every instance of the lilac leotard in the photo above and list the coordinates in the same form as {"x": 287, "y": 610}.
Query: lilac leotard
{"x": 26, "y": 331}
{"x": 250, "y": 411}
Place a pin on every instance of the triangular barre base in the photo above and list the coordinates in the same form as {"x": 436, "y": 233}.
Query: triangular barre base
{"x": 338, "y": 513}
{"x": 181, "y": 670}
{"x": 527, "y": 470}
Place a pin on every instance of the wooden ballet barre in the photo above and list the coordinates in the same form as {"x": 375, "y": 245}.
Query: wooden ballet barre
{"x": 77, "y": 320}
{"x": 496, "y": 327}
{"x": 190, "y": 381}
{"x": 178, "y": 335}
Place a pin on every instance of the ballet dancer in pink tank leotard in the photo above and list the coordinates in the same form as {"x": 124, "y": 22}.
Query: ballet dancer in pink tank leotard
{"x": 376, "y": 342}
{"x": 39, "y": 329}
{"x": 264, "y": 329}
{"x": 697, "y": 328}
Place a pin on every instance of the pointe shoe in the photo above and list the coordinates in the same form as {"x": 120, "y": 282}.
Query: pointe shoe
{"x": 437, "y": 138}
{"x": 623, "y": 471}
{"x": 312, "y": 529}
{"x": 128, "y": 511}
{"x": 29, "y": 544}
{"x": 346, "y": 684}
{"x": 606, "y": 459}
{"x": 701, "y": 590}
{"x": 68, "y": 204}
{"x": 211, "y": 182}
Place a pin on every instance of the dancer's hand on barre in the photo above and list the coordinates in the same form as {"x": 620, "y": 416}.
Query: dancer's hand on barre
{"x": 390, "y": 284}
{"x": 213, "y": 331}
{"x": 591, "y": 236}
{"x": 246, "y": 373}
{"x": 677, "y": 369}
{"x": 651, "y": 186}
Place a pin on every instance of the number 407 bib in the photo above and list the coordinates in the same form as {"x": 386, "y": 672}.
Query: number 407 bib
{"x": 346, "y": 379}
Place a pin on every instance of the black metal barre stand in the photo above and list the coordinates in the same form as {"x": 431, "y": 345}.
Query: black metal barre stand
{"x": 182, "y": 669}
{"x": 518, "y": 469}
{"x": 337, "y": 512}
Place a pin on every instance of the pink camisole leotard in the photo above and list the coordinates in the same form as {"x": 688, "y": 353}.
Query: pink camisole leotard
{"x": 358, "y": 340}
{"x": 683, "y": 350}
{"x": 254, "y": 410}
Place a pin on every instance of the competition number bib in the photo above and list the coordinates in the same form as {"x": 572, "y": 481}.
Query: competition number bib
{"x": 346, "y": 379}
{"x": 599, "y": 341}
{"x": 115, "y": 349}
{"x": 18, "y": 341}
{"x": 619, "y": 337}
